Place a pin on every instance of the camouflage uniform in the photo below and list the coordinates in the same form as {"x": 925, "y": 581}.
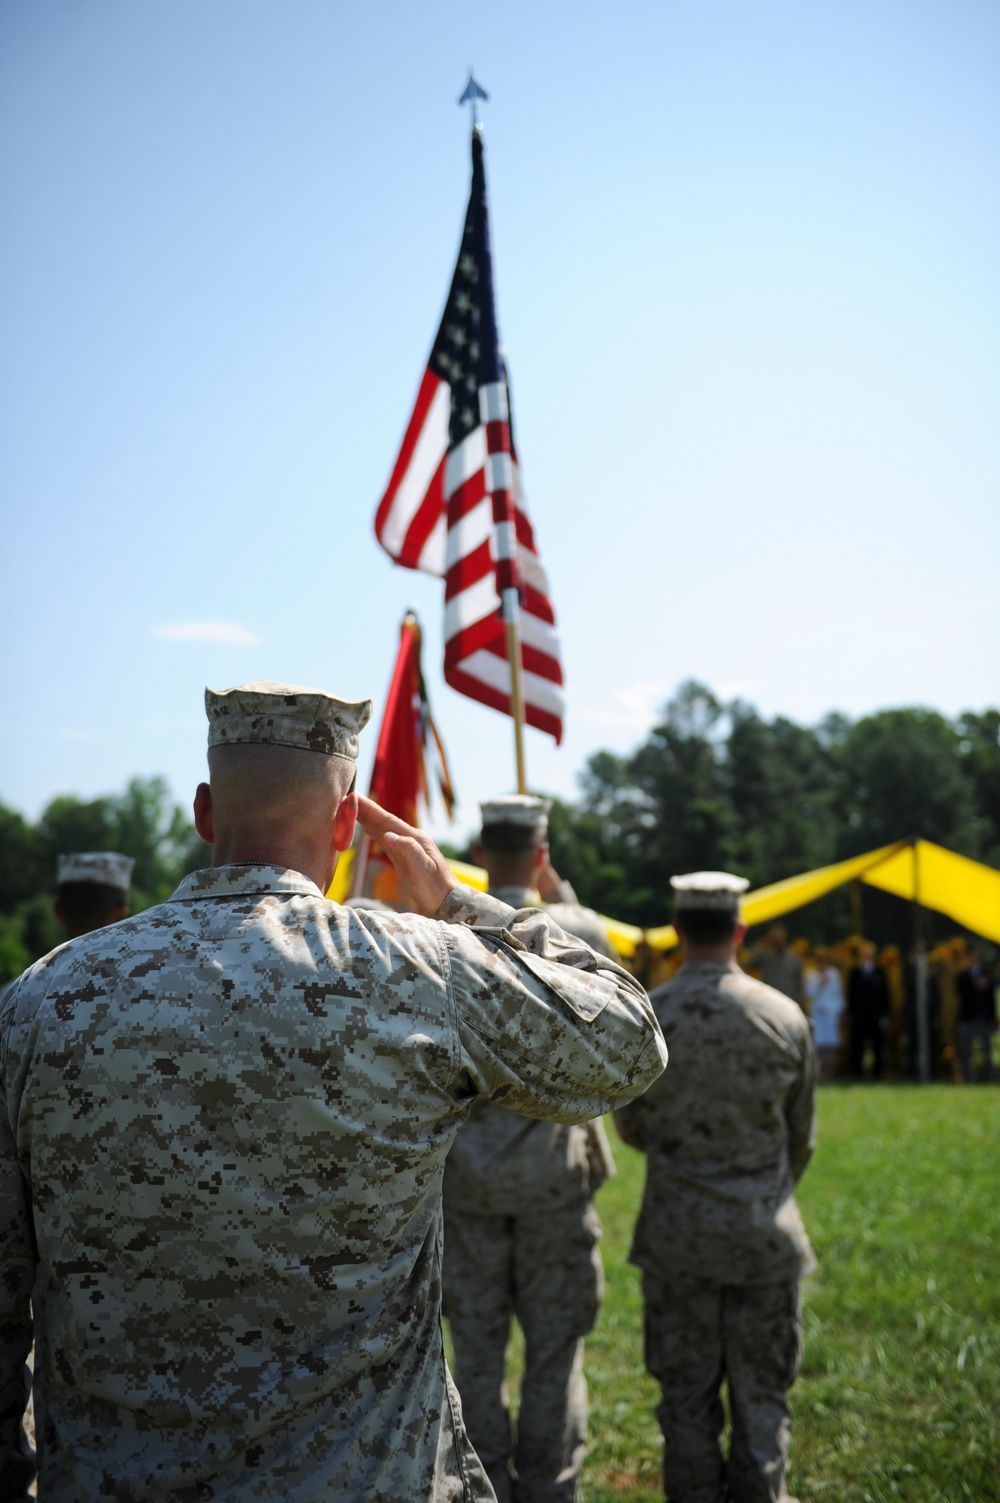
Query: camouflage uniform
{"x": 223, "y": 1127}
{"x": 521, "y": 1240}
{"x": 719, "y": 1238}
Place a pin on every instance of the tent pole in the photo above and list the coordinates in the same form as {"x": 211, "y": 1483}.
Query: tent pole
{"x": 920, "y": 969}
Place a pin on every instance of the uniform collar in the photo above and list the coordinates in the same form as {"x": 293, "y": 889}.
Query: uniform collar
{"x": 243, "y": 881}
{"x": 516, "y": 897}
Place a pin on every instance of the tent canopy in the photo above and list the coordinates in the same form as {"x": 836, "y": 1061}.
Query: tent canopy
{"x": 966, "y": 891}
{"x": 918, "y": 870}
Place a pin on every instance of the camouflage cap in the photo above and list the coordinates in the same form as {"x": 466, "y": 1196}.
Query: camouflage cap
{"x": 521, "y": 809}
{"x": 709, "y": 890}
{"x": 286, "y": 715}
{"x": 106, "y": 867}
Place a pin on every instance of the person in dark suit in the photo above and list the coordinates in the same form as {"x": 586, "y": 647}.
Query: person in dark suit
{"x": 868, "y": 1008}
{"x": 977, "y": 1015}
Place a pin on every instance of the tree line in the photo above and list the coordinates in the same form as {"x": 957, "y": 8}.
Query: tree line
{"x": 717, "y": 786}
{"x": 713, "y": 786}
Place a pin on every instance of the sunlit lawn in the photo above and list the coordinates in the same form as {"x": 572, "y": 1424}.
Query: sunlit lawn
{"x": 899, "y": 1396}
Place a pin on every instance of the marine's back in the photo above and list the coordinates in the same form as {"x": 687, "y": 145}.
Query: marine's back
{"x": 726, "y": 1143}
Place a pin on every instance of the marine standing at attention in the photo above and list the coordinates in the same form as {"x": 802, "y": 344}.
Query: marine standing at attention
{"x": 520, "y": 1227}
{"x": 223, "y": 1127}
{"x": 719, "y": 1239}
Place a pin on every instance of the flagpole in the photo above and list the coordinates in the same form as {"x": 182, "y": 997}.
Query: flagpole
{"x": 511, "y": 610}
{"x": 920, "y": 975}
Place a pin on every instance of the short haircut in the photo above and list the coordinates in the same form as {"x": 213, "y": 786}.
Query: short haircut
{"x": 707, "y": 926}
{"x": 271, "y": 779}
{"x": 91, "y": 903}
{"x": 510, "y": 839}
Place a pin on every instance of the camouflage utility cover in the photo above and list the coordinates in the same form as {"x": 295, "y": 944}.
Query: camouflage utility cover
{"x": 107, "y": 868}
{"x": 269, "y": 714}
{"x": 727, "y": 1141}
{"x": 231, "y": 1115}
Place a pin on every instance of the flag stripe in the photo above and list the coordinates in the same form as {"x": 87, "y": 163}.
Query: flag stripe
{"x": 425, "y": 444}
{"x": 428, "y": 515}
{"x": 468, "y": 571}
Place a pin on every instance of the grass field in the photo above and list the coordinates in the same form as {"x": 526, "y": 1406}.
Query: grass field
{"x": 899, "y": 1396}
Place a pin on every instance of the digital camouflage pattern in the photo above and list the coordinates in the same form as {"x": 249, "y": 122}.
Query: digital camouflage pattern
{"x": 719, "y": 1237}
{"x": 107, "y": 868}
{"x": 284, "y": 715}
{"x": 727, "y": 1140}
{"x": 542, "y": 1266}
{"x": 696, "y": 1332}
{"x": 521, "y": 1240}
{"x": 231, "y": 1115}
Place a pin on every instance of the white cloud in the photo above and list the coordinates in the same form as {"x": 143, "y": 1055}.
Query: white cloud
{"x": 228, "y": 633}
{"x": 739, "y": 688}
{"x": 634, "y": 706}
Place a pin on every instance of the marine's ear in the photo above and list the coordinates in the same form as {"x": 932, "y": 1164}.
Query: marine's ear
{"x": 204, "y": 822}
{"x": 344, "y": 821}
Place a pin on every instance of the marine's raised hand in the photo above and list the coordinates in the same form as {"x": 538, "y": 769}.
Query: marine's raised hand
{"x": 419, "y": 864}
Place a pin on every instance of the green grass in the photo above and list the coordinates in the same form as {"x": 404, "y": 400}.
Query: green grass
{"x": 899, "y": 1396}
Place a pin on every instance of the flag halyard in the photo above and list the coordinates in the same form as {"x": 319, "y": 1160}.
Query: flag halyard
{"x": 455, "y": 506}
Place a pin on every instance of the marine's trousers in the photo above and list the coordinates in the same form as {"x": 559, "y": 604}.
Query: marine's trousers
{"x": 697, "y": 1336}
{"x": 544, "y": 1268}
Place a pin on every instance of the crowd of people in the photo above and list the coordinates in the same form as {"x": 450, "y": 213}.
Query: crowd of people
{"x": 254, "y": 1143}
{"x": 861, "y": 1002}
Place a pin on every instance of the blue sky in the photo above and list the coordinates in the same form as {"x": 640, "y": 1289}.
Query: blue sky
{"x": 747, "y": 262}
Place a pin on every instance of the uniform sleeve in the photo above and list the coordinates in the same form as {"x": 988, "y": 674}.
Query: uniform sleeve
{"x": 800, "y": 1111}
{"x": 547, "y": 1027}
{"x": 17, "y": 1273}
{"x": 585, "y": 924}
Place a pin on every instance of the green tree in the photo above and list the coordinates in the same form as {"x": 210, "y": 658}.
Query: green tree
{"x": 900, "y": 774}
{"x": 979, "y": 756}
{"x": 664, "y": 809}
{"x": 21, "y": 859}
{"x": 781, "y": 784}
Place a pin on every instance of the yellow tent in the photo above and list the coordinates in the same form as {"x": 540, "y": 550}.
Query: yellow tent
{"x": 967, "y": 891}
{"x": 917, "y": 870}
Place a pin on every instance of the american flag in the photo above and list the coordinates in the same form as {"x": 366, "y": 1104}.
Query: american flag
{"x": 454, "y": 505}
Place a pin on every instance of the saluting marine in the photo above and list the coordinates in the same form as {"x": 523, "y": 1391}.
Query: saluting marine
{"x": 223, "y": 1128}
{"x": 719, "y": 1238}
{"x": 520, "y": 1228}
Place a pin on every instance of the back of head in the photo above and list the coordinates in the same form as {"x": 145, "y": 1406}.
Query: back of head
{"x": 515, "y": 829}
{"x": 707, "y": 910}
{"x": 281, "y": 761}
{"x": 82, "y": 907}
{"x": 93, "y": 890}
{"x": 282, "y": 787}
{"x": 708, "y": 926}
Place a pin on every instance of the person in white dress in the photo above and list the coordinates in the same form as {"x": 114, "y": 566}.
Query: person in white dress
{"x": 826, "y": 1007}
